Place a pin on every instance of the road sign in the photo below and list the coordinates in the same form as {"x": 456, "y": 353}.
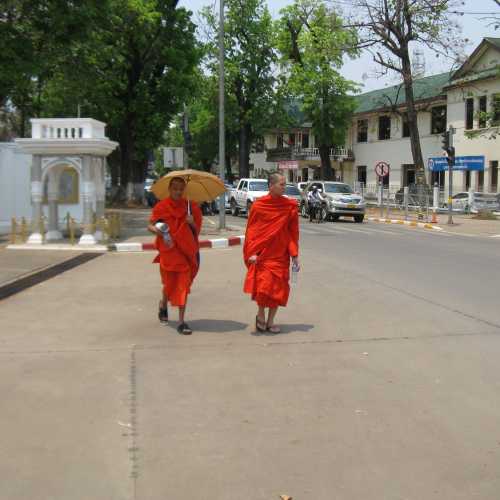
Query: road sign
{"x": 440, "y": 163}
{"x": 382, "y": 168}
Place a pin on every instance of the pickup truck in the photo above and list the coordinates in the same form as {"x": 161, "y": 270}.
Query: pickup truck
{"x": 245, "y": 193}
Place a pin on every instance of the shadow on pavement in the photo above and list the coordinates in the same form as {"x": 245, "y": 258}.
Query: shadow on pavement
{"x": 216, "y": 325}
{"x": 286, "y": 329}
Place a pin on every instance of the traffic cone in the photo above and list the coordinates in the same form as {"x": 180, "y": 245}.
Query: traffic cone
{"x": 434, "y": 217}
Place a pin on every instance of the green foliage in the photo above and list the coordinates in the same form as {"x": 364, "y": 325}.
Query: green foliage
{"x": 249, "y": 60}
{"x": 134, "y": 71}
{"x": 312, "y": 43}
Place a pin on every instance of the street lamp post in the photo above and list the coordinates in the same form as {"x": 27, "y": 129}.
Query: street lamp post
{"x": 222, "y": 130}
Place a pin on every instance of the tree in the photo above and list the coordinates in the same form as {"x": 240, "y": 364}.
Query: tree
{"x": 35, "y": 35}
{"x": 312, "y": 44}
{"x": 388, "y": 28}
{"x": 134, "y": 71}
{"x": 249, "y": 61}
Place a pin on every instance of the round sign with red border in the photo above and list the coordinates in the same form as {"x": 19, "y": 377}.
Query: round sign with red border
{"x": 382, "y": 168}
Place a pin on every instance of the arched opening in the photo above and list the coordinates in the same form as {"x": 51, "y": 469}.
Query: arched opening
{"x": 60, "y": 190}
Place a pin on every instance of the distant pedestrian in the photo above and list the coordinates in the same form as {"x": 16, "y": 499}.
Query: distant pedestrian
{"x": 314, "y": 200}
{"x": 272, "y": 239}
{"x": 177, "y": 224}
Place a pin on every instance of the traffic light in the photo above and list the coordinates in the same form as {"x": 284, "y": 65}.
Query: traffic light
{"x": 445, "y": 141}
{"x": 451, "y": 155}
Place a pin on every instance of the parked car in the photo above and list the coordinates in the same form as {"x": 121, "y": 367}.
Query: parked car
{"x": 413, "y": 194}
{"x": 341, "y": 201}
{"x": 292, "y": 192}
{"x": 479, "y": 201}
{"x": 149, "y": 197}
{"x": 245, "y": 193}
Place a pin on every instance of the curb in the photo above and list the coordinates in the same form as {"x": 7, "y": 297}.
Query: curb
{"x": 421, "y": 225}
{"x": 145, "y": 247}
{"x": 129, "y": 246}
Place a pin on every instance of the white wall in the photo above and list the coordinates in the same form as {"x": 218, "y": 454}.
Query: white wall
{"x": 397, "y": 150}
{"x": 15, "y": 188}
{"x": 14, "y": 184}
{"x": 482, "y": 145}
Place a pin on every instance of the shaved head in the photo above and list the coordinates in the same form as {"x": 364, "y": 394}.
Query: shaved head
{"x": 277, "y": 183}
{"x": 274, "y": 178}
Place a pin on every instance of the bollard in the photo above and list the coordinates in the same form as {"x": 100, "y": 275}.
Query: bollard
{"x": 41, "y": 227}
{"x": 406, "y": 192}
{"x": 67, "y": 219}
{"x": 24, "y": 230}
{"x": 118, "y": 226}
{"x": 13, "y": 231}
{"x": 71, "y": 230}
{"x": 101, "y": 224}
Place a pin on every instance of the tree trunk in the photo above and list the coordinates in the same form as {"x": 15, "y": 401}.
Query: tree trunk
{"x": 244, "y": 150}
{"x": 229, "y": 170}
{"x": 416, "y": 149}
{"x": 327, "y": 173}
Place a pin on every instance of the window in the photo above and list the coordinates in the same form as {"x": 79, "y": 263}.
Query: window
{"x": 291, "y": 190}
{"x": 438, "y": 119}
{"x": 362, "y": 174}
{"x": 482, "y": 111}
{"x": 406, "y": 126}
{"x": 496, "y": 109}
{"x": 480, "y": 180}
{"x": 385, "y": 181}
{"x": 384, "y": 128}
{"x": 469, "y": 113}
{"x": 305, "y": 140}
{"x": 494, "y": 176}
{"x": 362, "y": 130}
{"x": 279, "y": 141}
{"x": 259, "y": 186}
{"x": 291, "y": 139}
{"x": 438, "y": 178}
{"x": 337, "y": 188}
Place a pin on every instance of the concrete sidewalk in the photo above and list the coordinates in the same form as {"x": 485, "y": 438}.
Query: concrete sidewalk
{"x": 368, "y": 393}
{"x": 463, "y": 224}
{"x": 135, "y": 222}
{"x": 18, "y": 264}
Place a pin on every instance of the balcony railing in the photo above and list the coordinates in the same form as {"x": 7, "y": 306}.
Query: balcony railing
{"x": 298, "y": 153}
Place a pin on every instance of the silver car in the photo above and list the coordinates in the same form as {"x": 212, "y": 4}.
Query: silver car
{"x": 341, "y": 201}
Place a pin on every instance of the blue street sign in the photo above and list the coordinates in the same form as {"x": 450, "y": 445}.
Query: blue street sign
{"x": 440, "y": 163}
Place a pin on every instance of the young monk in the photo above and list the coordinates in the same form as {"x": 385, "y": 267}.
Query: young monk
{"x": 272, "y": 239}
{"x": 179, "y": 258}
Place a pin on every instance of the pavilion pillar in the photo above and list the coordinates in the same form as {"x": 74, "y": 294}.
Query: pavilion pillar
{"x": 88, "y": 197}
{"x": 36, "y": 238}
{"x": 100, "y": 204}
{"x": 53, "y": 196}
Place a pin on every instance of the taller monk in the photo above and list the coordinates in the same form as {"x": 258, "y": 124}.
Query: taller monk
{"x": 177, "y": 226}
{"x": 271, "y": 240}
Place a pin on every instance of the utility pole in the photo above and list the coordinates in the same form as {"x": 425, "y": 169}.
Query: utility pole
{"x": 450, "y": 156}
{"x": 222, "y": 129}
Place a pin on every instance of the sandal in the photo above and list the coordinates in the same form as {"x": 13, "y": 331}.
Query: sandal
{"x": 184, "y": 329}
{"x": 260, "y": 326}
{"x": 163, "y": 313}
{"x": 273, "y": 329}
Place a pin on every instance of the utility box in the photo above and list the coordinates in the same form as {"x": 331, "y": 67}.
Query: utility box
{"x": 173, "y": 158}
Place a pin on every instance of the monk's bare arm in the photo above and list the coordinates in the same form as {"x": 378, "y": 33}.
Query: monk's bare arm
{"x": 153, "y": 229}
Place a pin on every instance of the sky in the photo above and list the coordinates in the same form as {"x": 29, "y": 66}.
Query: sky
{"x": 362, "y": 69}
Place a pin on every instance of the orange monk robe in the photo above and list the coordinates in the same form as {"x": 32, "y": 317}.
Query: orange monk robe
{"x": 178, "y": 264}
{"x": 273, "y": 235}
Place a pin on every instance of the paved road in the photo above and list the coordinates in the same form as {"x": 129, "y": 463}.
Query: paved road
{"x": 384, "y": 385}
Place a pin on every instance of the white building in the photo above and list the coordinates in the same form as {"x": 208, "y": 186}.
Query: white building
{"x": 378, "y": 131}
{"x": 59, "y": 170}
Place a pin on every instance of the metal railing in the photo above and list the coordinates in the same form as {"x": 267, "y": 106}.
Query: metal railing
{"x": 300, "y": 153}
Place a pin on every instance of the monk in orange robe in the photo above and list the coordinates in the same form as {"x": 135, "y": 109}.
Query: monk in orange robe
{"x": 271, "y": 240}
{"x": 179, "y": 257}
